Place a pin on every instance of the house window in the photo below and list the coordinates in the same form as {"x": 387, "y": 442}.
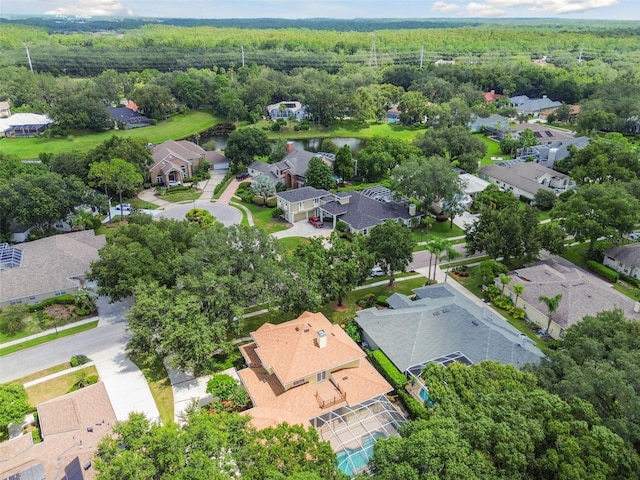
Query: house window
{"x": 302, "y": 381}
{"x": 159, "y": 179}
{"x": 300, "y": 204}
{"x": 32, "y": 297}
{"x": 321, "y": 376}
{"x": 184, "y": 169}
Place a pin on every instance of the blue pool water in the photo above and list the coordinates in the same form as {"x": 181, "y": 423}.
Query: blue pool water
{"x": 424, "y": 395}
{"x": 359, "y": 457}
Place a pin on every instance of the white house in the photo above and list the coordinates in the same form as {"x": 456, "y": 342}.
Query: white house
{"x": 624, "y": 259}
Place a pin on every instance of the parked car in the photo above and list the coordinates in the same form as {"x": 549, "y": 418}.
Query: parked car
{"x": 242, "y": 176}
{"x": 635, "y": 236}
{"x": 174, "y": 183}
{"x": 125, "y": 207}
{"x": 316, "y": 222}
{"x": 377, "y": 272}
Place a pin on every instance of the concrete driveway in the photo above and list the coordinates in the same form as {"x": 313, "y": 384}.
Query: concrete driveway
{"x": 304, "y": 229}
{"x": 225, "y": 214}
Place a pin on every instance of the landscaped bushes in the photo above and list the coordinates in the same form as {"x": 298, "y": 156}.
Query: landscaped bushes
{"x": 258, "y": 200}
{"x": 382, "y": 301}
{"x": 272, "y": 202}
{"x": 630, "y": 280}
{"x": 367, "y": 301}
{"x": 388, "y": 370}
{"x": 603, "y": 271}
{"x": 415, "y": 408}
{"x": 66, "y": 299}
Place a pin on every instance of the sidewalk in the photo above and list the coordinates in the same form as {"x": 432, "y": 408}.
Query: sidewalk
{"x": 58, "y": 374}
{"x": 49, "y": 332}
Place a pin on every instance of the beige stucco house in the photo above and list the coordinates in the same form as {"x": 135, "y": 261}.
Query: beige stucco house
{"x": 173, "y": 161}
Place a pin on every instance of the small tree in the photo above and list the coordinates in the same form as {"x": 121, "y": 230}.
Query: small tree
{"x": 504, "y": 280}
{"x": 544, "y": 199}
{"x": 226, "y": 392}
{"x": 344, "y": 166}
{"x": 518, "y": 289}
{"x": 392, "y": 246}
{"x": 552, "y": 303}
{"x": 264, "y": 187}
{"x": 14, "y": 404}
{"x": 320, "y": 175}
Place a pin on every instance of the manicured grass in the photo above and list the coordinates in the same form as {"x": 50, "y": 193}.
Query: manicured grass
{"x": 466, "y": 261}
{"x": 42, "y": 373}
{"x": 245, "y": 221}
{"x": 177, "y": 127}
{"x": 348, "y": 128}
{"x": 262, "y": 218}
{"x": 544, "y": 215}
{"x": 576, "y": 254}
{"x": 630, "y": 291}
{"x": 439, "y": 229}
{"x": 47, "y": 338}
{"x": 289, "y": 244}
{"x": 183, "y": 196}
{"x": 142, "y": 204}
{"x": 369, "y": 281}
{"x": 251, "y": 324}
{"x": 56, "y": 387}
{"x": 156, "y": 375}
{"x": 493, "y": 150}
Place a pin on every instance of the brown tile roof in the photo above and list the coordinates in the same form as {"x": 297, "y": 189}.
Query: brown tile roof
{"x": 291, "y": 349}
{"x": 49, "y": 264}
{"x": 64, "y": 424}
{"x": 492, "y": 96}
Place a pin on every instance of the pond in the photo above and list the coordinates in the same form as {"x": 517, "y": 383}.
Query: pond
{"x": 310, "y": 144}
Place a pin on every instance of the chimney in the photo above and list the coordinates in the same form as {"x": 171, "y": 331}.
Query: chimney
{"x": 544, "y": 96}
{"x": 412, "y": 209}
{"x": 290, "y": 147}
{"x": 322, "y": 339}
{"x": 493, "y": 92}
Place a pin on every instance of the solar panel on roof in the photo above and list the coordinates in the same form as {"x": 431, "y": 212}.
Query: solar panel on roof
{"x": 537, "y": 134}
{"x": 549, "y": 134}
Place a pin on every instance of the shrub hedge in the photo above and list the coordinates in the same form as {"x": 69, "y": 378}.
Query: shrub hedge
{"x": 416, "y": 409}
{"x": 66, "y": 299}
{"x": 603, "y": 271}
{"x": 630, "y": 280}
{"x": 272, "y": 202}
{"x": 388, "y": 370}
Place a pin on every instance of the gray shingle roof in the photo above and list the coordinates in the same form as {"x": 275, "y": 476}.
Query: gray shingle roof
{"x": 302, "y": 194}
{"x": 521, "y": 175}
{"x": 441, "y": 323}
{"x": 363, "y": 212}
{"x": 532, "y": 105}
{"x": 627, "y": 254}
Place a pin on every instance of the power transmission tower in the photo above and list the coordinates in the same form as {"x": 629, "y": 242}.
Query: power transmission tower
{"x": 243, "y": 56}
{"x": 29, "y": 58}
{"x": 580, "y": 60}
{"x": 374, "y": 55}
{"x": 421, "y": 55}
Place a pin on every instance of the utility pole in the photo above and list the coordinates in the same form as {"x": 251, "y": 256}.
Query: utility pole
{"x": 421, "y": 55}
{"x": 374, "y": 55}
{"x": 29, "y": 57}
{"x": 242, "y": 56}
{"x": 580, "y": 56}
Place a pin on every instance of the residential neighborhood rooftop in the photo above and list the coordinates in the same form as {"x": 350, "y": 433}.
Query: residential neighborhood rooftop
{"x": 522, "y": 175}
{"x": 302, "y": 194}
{"x": 627, "y": 254}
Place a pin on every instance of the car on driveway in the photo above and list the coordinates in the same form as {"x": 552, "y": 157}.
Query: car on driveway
{"x": 635, "y": 236}
{"x": 242, "y": 176}
{"x": 174, "y": 183}
{"x": 316, "y": 222}
{"x": 124, "y": 207}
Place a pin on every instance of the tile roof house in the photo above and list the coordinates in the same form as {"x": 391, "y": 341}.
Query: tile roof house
{"x": 526, "y": 178}
{"x": 173, "y": 161}
{"x": 624, "y": 259}
{"x": 308, "y": 371}
{"x": 49, "y": 267}
{"x": 547, "y": 153}
{"x": 442, "y": 325}
{"x": 582, "y": 294}
{"x": 287, "y": 110}
{"x": 532, "y": 106}
{"x": 71, "y": 428}
{"x": 127, "y": 118}
{"x": 291, "y": 171}
{"x": 492, "y": 96}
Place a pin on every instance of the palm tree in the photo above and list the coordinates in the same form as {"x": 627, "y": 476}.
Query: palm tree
{"x": 436, "y": 246}
{"x": 518, "y": 289}
{"x": 504, "y": 280}
{"x": 552, "y": 304}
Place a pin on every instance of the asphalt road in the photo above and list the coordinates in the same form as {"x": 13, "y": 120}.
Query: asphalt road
{"x": 223, "y": 213}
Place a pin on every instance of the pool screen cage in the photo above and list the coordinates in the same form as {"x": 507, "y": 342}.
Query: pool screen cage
{"x": 354, "y": 429}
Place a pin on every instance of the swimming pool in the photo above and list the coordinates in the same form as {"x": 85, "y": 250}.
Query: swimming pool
{"x": 424, "y": 395}
{"x": 353, "y": 461}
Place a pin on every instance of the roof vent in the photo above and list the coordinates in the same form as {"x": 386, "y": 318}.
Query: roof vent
{"x": 306, "y": 330}
{"x": 475, "y": 322}
{"x": 322, "y": 338}
{"x": 436, "y": 313}
{"x": 297, "y": 329}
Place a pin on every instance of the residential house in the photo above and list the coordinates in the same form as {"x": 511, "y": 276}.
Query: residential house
{"x": 71, "y": 427}
{"x": 492, "y": 96}
{"x": 472, "y": 184}
{"x": 548, "y": 153}
{"x": 5, "y": 110}
{"x": 524, "y": 179}
{"x": 494, "y": 122}
{"x": 287, "y": 110}
{"x": 624, "y": 259}
{"x": 301, "y": 203}
{"x": 24, "y": 125}
{"x": 127, "y": 118}
{"x": 442, "y": 325}
{"x": 542, "y": 132}
{"x": 574, "y": 113}
{"x": 48, "y": 267}
{"x": 291, "y": 171}
{"x": 532, "y": 106}
{"x": 173, "y": 161}
{"x": 362, "y": 211}
{"x": 582, "y": 295}
{"x": 308, "y": 371}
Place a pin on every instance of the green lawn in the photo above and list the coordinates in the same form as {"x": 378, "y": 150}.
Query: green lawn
{"x": 289, "y": 244}
{"x": 47, "y": 338}
{"x": 177, "y": 127}
{"x": 576, "y": 254}
{"x": 439, "y": 229}
{"x": 142, "y": 204}
{"x": 629, "y": 290}
{"x": 182, "y": 196}
{"x": 493, "y": 149}
{"x": 262, "y": 218}
{"x": 56, "y": 387}
{"x": 156, "y": 375}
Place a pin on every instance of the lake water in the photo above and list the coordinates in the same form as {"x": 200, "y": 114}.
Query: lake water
{"x": 310, "y": 144}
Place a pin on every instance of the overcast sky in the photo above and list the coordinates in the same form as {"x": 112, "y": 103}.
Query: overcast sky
{"x": 593, "y": 9}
